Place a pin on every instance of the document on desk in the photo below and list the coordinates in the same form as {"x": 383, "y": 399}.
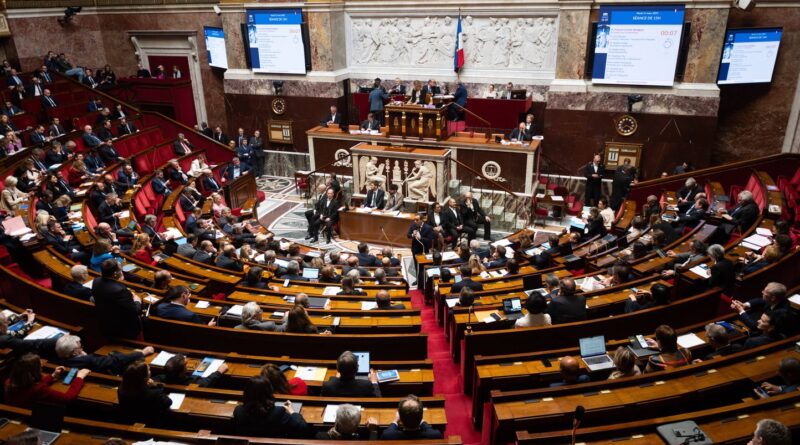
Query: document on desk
{"x": 764, "y": 231}
{"x": 161, "y": 358}
{"x": 311, "y": 373}
{"x": 758, "y": 240}
{"x": 177, "y": 400}
{"x": 331, "y": 290}
{"x": 45, "y": 332}
{"x": 502, "y": 242}
{"x": 690, "y": 340}
{"x": 368, "y": 305}
{"x": 448, "y": 256}
{"x": 235, "y": 310}
{"x": 702, "y": 271}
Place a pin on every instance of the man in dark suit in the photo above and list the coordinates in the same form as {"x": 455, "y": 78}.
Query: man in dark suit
{"x": 55, "y": 129}
{"x": 89, "y": 80}
{"x": 182, "y": 146}
{"x": 773, "y": 298}
{"x": 35, "y": 88}
{"x": 353, "y": 264}
{"x": 722, "y": 272}
{"x": 328, "y": 216}
{"x": 75, "y": 288}
{"x": 219, "y": 136}
{"x": 47, "y": 100}
{"x": 175, "y": 172}
{"x": 743, "y": 216}
{"x": 365, "y": 258}
{"x": 13, "y": 80}
{"x": 398, "y": 88}
{"x": 186, "y": 201}
{"x": 431, "y": 88}
{"x": 472, "y": 215}
{"x": 314, "y": 212}
{"x": 15, "y": 340}
{"x": 116, "y": 307}
{"x": 687, "y": 193}
{"x": 384, "y": 301}
{"x": 126, "y": 179}
{"x": 456, "y": 111}
{"x": 235, "y": 169}
{"x": 693, "y": 214}
{"x": 420, "y": 234}
{"x": 109, "y": 154}
{"x": 293, "y": 272}
{"x": 71, "y": 354}
{"x": 376, "y": 99}
{"x": 375, "y": 196}
{"x": 205, "y": 254}
{"x": 452, "y": 224}
{"x": 594, "y": 172}
{"x": 209, "y": 183}
{"x": 90, "y": 139}
{"x": 371, "y": 123}
{"x": 229, "y": 260}
{"x": 519, "y": 134}
{"x": 347, "y": 385}
{"x": 567, "y": 306}
{"x": 624, "y": 176}
{"x": 109, "y": 210}
{"x": 257, "y": 144}
{"x": 159, "y": 184}
{"x": 333, "y": 119}
{"x": 38, "y": 137}
{"x": 125, "y": 128}
{"x": 466, "y": 281}
{"x": 498, "y": 258}
{"x": 105, "y": 133}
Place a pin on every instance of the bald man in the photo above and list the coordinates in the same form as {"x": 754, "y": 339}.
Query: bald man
{"x": 570, "y": 372}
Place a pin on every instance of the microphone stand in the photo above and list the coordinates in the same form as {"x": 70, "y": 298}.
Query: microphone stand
{"x": 468, "y": 329}
{"x": 387, "y": 240}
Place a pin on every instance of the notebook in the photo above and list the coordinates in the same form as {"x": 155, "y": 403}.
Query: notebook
{"x": 593, "y": 353}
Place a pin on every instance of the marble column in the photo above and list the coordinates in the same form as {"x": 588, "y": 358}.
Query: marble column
{"x": 573, "y": 32}
{"x": 232, "y": 18}
{"x": 705, "y": 44}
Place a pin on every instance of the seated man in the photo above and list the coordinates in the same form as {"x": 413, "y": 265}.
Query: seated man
{"x": 365, "y": 258}
{"x": 520, "y": 134}
{"x": 773, "y": 298}
{"x": 497, "y": 259}
{"x": 75, "y": 288}
{"x": 466, "y": 280}
{"x": 395, "y": 199}
{"x": 229, "y": 260}
{"x": 789, "y": 370}
{"x": 409, "y": 424}
{"x": 570, "y": 372}
{"x": 205, "y": 254}
{"x": 567, "y": 307}
{"x": 353, "y": 264}
{"x": 188, "y": 248}
{"x": 333, "y": 119}
{"x": 346, "y": 384}
{"x": 252, "y": 319}
{"x": 159, "y": 184}
{"x": 371, "y": 123}
{"x": 71, "y": 354}
{"x": 14, "y": 340}
{"x": 384, "y": 301}
{"x": 375, "y": 198}
{"x": 719, "y": 339}
{"x": 175, "y": 373}
{"x": 126, "y": 128}
{"x": 235, "y": 169}
{"x": 173, "y": 307}
{"x": 771, "y": 432}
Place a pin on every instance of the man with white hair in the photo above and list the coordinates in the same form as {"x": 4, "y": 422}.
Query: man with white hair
{"x": 771, "y": 432}
{"x": 182, "y": 146}
{"x": 208, "y": 181}
{"x": 71, "y": 354}
{"x": 348, "y": 419}
{"x": 687, "y": 193}
{"x": 773, "y": 298}
{"x": 743, "y": 216}
{"x": 293, "y": 272}
{"x": 90, "y": 139}
{"x": 75, "y": 288}
{"x": 252, "y": 319}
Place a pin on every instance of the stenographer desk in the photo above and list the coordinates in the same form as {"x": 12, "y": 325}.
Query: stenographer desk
{"x": 376, "y": 227}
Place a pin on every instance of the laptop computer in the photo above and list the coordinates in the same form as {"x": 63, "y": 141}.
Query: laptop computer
{"x": 317, "y": 302}
{"x": 363, "y": 365}
{"x": 593, "y": 353}
{"x": 512, "y": 307}
{"x": 312, "y": 273}
{"x": 532, "y": 281}
{"x": 47, "y": 420}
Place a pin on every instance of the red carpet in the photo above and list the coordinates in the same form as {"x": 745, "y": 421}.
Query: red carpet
{"x": 447, "y": 377}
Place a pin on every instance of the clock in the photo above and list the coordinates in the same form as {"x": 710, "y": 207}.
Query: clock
{"x": 626, "y": 125}
{"x": 278, "y": 106}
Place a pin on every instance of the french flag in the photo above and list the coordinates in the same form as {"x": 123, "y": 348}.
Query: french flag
{"x": 458, "y": 56}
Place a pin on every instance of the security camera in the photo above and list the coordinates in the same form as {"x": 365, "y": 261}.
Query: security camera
{"x": 217, "y": 10}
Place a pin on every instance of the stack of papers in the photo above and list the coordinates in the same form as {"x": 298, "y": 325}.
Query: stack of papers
{"x": 235, "y": 310}
{"x": 45, "y": 332}
{"x": 690, "y": 340}
{"x": 311, "y": 373}
{"x": 756, "y": 242}
{"x": 451, "y": 302}
{"x": 177, "y": 400}
{"x": 202, "y": 304}
{"x": 331, "y": 290}
{"x": 368, "y": 305}
{"x": 448, "y": 256}
{"x": 502, "y": 242}
{"x": 329, "y": 415}
{"x": 764, "y": 232}
{"x": 702, "y": 271}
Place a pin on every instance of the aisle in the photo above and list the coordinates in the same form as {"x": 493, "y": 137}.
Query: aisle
{"x": 447, "y": 377}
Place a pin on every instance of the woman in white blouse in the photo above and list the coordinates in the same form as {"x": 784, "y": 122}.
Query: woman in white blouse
{"x": 11, "y": 197}
{"x": 198, "y": 165}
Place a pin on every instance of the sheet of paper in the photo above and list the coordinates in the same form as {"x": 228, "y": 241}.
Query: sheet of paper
{"x": 213, "y": 367}
{"x": 177, "y": 400}
{"x": 764, "y": 232}
{"x": 751, "y": 246}
{"x": 329, "y": 415}
{"x": 758, "y": 240}
{"x": 202, "y": 304}
{"x": 236, "y": 310}
{"x": 557, "y": 198}
{"x": 503, "y": 242}
{"x": 44, "y": 332}
{"x": 689, "y": 340}
{"x": 705, "y": 273}
{"x": 451, "y": 302}
{"x": 331, "y": 290}
{"x": 368, "y": 305}
{"x": 485, "y": 275}
{"x": 311, "y": 373}
{"x": 161, "y": 358}
{"x": 88, "y": 284}
{"x": 795, "y": 299}
{"x": 124, "y": 214}
{"x": 447, "y": 256}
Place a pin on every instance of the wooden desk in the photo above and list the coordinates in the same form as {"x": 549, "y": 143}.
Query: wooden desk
{"x": 416, "y": 122}
{"x": 355, "y": 225}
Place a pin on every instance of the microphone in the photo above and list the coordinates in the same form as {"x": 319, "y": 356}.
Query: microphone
{"x": 577, "y": 418}
{"x": 387, "y": 240}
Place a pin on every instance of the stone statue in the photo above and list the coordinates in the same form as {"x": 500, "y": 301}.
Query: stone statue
{"x": 421, "y": 180}
{"x": 374, "y": 172}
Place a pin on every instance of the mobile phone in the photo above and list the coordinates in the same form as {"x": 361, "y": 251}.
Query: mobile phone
{"x": 642, "y": 342}
{"x": 546, "y": 362}
{"x": 70, "y": 375}
{"x": 635, "y": 290}
{"x": 761, "y": 392}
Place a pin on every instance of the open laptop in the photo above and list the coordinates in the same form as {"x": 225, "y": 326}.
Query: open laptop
{"x": 512, "y": 307}
{"x": 532, "y": 281}
{"x": 47, "y": 420}
{"x": 593, "y": 353}
{"x": 312, "y": 273}
{"x": 363, "y": 365}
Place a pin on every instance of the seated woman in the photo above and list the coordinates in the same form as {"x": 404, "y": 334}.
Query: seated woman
{"x": 260, "y": 416}
{"x": 771, "y": 255}
{"x": 594, "y": 224}
{"x": 638, "y": 226}
{"x": 298, "y": 322}
{"x": 475, "y": 265}
{"x": 348, "y": 287}
{"x": 141, "y": 399}
{"x": 670, "y": 355}
{"x": 142, "y": 249}
{"x": 658, "y": 295}
{"x": 11, "y": 197}
{"x": 328, "y": 275}
{"x": 26, "y": 385}
{"x": 296, "y": 386}
{"x": 625, "y": 362}
{"x": 12, "y": 142}
{"x": 77, "y": 173}
{"x": 252, "y": 318}
{"x": 346, "y": 426}
{"x": 198, "y": 165}
{"x": 175, "y": 373}
{"x": 103, "y": 250}
{"x": 217, "y": 204}
{"x": 173, "y": 307}
{"x": 536, "y": 305}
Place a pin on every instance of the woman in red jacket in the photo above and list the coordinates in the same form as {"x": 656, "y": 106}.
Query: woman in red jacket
{"x": 296, "y": 386}
{"x": 143, "y": 250}
{"x": 26, "y": 384}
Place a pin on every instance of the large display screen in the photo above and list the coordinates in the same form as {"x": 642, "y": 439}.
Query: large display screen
{"x": 749, "y": 55}
{"x": 637, "y": 45}
{"x": 215, "y": 46}
{"x": 275, "y": 41}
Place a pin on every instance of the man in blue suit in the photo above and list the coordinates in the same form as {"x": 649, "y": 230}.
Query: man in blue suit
{"x": 376, "y": 98}
{"x": 456, "y": 111}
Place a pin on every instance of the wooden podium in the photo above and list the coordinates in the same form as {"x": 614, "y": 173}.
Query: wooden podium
{"x": 416, "y": 121}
